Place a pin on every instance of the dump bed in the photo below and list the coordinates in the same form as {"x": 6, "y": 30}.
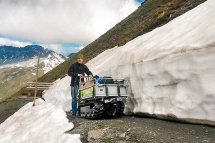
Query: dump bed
{"x": 91, "y": 89}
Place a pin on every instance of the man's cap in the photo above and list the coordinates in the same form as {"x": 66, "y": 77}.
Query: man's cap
{"x": 80, "y": 56}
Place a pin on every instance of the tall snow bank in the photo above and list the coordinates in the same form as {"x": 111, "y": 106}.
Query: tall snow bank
{"x": 171, "y": 68}
{"x": 43, "y": 123}
{"x": 59, "y": 93}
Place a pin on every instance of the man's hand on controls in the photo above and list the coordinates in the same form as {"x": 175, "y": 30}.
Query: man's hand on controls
{"x": 91, "y": 77}
{"x": 80, "y": 75}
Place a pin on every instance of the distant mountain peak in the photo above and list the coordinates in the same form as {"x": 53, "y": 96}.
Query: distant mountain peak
{"x": 71, "y": 54}
{"x": 10, "y": 54}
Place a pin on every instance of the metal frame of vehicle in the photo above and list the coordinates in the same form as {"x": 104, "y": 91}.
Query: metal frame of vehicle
{"x": 100, "y": 93}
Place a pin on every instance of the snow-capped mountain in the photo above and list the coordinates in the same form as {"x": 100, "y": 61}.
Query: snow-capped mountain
{"x": 10, "y": 54}
{"x": 52, "y": 61}
{"x": 18, "y": 66}
{"x": 27, "y": 57}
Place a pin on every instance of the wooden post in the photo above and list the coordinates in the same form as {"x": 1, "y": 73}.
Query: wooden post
{"x": 35, "y": 91}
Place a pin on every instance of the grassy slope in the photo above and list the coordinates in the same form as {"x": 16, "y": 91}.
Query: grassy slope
{"x": 12, "y": 79}
{"x": 152, "y": 14}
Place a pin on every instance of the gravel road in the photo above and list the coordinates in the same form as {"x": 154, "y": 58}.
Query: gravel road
{"x": 128, "y": 129}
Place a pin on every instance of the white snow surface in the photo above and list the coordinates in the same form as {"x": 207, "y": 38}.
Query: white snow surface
{"x": 170, "y": 69}
{"x": 52, "y": 61}
{"x": 59, "y": 93}
{"x": 29, "y": 63}
{"x": 43, "y": 123}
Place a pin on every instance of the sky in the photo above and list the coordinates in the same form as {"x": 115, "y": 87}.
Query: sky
{"x": 65, "y": 26}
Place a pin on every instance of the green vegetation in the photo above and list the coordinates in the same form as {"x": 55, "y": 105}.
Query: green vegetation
{"x": 152, "y": 14}
{"x": 12, "y": 79}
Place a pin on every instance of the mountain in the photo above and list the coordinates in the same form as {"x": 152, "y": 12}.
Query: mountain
{"x": 71, "y": 54}
{"x": 18, "y": 66}
{"x": 26, "y": 57}
{"x": 10, "y": 54}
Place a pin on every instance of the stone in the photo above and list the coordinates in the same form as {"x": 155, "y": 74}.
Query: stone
{"x": 122, "y": 135}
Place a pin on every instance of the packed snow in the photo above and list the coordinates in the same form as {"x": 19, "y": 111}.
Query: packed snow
{"x": 52, "y": 61}
{"x": 59, "y": 93}
{"x": 43, "y": 123}
{"x": 170, "y": 69}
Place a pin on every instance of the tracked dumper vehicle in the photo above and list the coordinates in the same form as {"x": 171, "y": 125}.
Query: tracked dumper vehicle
{"x": 102, "y": 98}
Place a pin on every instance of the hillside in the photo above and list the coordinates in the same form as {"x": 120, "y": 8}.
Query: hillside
{"x": 150, "y": 15}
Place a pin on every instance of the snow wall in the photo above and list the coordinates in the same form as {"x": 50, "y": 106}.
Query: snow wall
{"x": 171, "y": 69}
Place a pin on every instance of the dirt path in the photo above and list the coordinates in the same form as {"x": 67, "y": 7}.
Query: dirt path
{"x": 127, "y": 129}
{"x": 130, "y": 129}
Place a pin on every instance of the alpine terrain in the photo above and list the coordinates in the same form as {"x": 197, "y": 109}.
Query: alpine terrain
{"x": 165, "y": 50}
{"x": 18, "y": 65}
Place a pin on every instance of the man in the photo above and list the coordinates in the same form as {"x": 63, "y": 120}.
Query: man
{"x": 76, "y": 71}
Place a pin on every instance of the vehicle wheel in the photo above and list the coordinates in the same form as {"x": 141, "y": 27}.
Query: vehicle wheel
{"x": 115, "y": 109}
{"x": 98, "y": 110}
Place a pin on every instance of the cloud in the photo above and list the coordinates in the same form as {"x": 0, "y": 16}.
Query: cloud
{"x": 15, "y": 43}
{"x": 61, "y": 21}
{"x": 61, "y": 49}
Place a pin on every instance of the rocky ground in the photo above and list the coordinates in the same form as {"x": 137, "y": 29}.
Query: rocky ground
{"x": 128, "y": 129}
